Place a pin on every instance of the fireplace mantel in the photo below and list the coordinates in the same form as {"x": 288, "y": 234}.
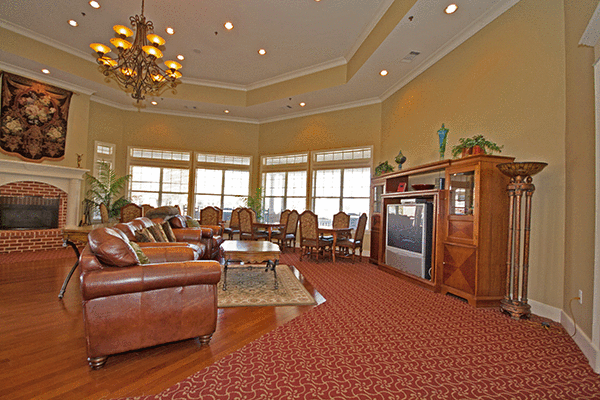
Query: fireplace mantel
{"x": 65, "y": 178}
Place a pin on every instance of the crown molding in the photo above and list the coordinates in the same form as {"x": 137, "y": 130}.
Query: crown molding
{"x": 322, "y": 110}
{"x": 298, "y": 73}
{"x": 452, "y": 44}
{"x": 13, "y": 69}
{"x": 591, "y": 35}
{"x": 123, "y": 107}
{"x": 383, "y": 7}
{"x": 45, "y": 40}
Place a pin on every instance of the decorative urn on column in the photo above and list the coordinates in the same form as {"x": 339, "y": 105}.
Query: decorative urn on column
{"x": 520, "y": 173}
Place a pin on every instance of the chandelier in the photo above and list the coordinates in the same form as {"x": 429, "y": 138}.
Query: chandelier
{"x": 135, "y": 67}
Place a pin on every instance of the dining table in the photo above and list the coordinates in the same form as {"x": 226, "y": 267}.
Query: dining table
{"x": 335, "y": 233}
{"x": 268, "y": 226}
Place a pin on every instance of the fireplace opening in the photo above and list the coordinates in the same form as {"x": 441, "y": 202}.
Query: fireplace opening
{"x": 29, "y": 212}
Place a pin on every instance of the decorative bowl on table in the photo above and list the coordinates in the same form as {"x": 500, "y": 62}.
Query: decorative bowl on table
{"x": 527, "y": 168}
{"x": 422, "y": 186}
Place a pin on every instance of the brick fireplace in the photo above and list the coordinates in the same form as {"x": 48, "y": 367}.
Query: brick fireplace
{"x": 28, "y": 180}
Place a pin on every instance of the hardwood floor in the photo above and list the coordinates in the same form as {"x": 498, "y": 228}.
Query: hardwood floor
{"x": 42, "y": 343}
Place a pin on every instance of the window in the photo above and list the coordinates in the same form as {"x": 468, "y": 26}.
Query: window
{"x": 341, "y": 182}
{"x": 284, "y": 182}
{"x": 222, "y": 181}
{"x": 105, "y": 153}
{"x": 159, "y": 177}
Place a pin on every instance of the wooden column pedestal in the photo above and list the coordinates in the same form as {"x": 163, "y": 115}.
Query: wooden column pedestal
{"x": 515, "y": 300}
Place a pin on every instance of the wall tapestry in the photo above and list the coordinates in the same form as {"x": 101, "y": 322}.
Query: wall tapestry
{"x": 34, "y": 119}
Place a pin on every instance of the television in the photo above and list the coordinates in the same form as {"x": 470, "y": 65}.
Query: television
{"x": 409, "y": 237}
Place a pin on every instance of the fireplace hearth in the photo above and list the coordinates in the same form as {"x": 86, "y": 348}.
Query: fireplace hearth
{"x": 28, "y": 212}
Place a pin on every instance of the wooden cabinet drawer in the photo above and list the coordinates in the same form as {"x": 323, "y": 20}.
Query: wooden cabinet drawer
{"x": 459, "y": 267}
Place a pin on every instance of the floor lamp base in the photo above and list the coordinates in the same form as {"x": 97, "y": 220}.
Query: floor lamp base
{"x": 516, "y": 309}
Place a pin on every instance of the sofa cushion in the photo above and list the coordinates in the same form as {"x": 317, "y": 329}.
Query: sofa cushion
{"x": 162, "y": 212}
{"x": 157, "y": 232}
{"x": 139, "y": 253}
{"x": 168, "y": 231}
{"x": 191, "y": 223}
{"x": 110, "y": 248}
{"x": 144, "y": 236}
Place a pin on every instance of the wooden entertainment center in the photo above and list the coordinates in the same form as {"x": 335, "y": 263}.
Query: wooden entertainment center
{"x": 469, "y": 230}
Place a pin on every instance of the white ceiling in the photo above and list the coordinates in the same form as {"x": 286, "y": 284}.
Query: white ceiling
{"x": 301, "y": 37}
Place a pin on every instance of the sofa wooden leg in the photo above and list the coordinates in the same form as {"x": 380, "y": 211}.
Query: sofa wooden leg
{"x": 97, "y": 362}
{"x": 204, "y": 339}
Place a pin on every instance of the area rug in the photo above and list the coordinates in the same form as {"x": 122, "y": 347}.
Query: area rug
{"x": 251, "y": 285}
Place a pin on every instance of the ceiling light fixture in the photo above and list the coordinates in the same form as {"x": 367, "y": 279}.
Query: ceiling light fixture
{"x": 228, "y": 25}
{"x": 383, "y": 72}
{"x": 302, "y": 104}
{"x": 94, "y": 4}
{"x": 170, "y": 30}
{"x": 451, "y": 9}
{"x": 226, "y": 111}
{"x": 45, "y": 71}
{"x": 180, "y": 57}
{"x": 135, "y": 68}
{"x": 153, "y": 102}
{"x": 262, "y": 52}
{"x": 72, "y": 22}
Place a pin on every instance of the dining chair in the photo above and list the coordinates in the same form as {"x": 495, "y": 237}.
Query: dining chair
{"x": 287, "y": 236}
{"x": 129, "y": 212}
{"x": 348, "y": 246}
{"x": 234, "y": 222}
{"x": 340, "y": 220}
{"x": 310, "y": 241}
{"x": 247, "y": 231}
{"x": 103, "y": 213}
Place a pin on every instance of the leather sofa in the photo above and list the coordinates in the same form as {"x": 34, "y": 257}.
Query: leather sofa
{"x": 202, "y": 239}
{"x": 128, "y": 306}
{"x": 213, "y": 245}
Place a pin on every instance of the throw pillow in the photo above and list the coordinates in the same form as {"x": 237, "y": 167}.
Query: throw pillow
{"x": 140, "y": 254}
{"x": 144, "y": 236}
{"x": 158, "y": 233}
{"x": 191, "y": 222}
{"x": 168, "y": 231}
{"x": 110, "y": 248}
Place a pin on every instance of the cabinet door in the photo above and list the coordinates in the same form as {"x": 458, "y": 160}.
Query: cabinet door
{"x": 460, "y": 267}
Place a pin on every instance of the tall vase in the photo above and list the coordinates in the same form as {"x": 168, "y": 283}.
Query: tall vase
{"x": 515, "y": 300}
{"x": 443, "y": 136}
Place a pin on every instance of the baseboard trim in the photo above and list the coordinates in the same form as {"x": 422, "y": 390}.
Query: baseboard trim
{"x": 589, "y": 350}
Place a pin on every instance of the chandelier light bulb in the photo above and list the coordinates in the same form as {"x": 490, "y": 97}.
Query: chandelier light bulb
{"x": 156, "y": 40}
{"x": 123, "y": 30}
{"x": 100, "y": 48}
{"x": 174, "y": 65}
{"x": 152, "y": 51}
{"x": 119, "y": 43}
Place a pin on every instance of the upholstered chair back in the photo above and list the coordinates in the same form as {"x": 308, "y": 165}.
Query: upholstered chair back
{"x": 283, "y": 218}
{"x": 245, "y": 221}
{"x": 210, "y": 216}
{"x": 360, "y": 228}
{"x": 341, "y": 220}
{"x": 292, "y": 222}
{"x": 146, "y": 208}
{"x": 103, "y": 213}
{"x": 309, "y": 225}
{"x": 130, "y": 211}
{"x": 235, "y": 218}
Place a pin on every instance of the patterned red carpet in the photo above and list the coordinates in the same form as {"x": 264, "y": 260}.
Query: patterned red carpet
{"x": 378, "y": 337}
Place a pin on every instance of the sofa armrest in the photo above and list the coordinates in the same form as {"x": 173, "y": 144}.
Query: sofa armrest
{"x": 163, "y": 254}
{"x": 216, "y": 229}
{"x": 111, "y": 281}
{"x": 192, "y": 234}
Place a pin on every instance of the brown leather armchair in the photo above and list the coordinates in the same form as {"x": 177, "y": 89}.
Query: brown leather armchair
{"x": 128, "y": 306}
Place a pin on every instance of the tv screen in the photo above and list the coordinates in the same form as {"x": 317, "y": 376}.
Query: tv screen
{"x": 405, "y": 227}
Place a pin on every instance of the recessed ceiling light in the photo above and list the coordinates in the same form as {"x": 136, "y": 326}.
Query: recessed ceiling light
{"x": 45, "y": 71}
{"x": 383, "y": 72}
{"x": 228, "y": 25}
{"x": 170, "y": 30}
{"x": 226, "y": 111}
{"x": 180, "y": 57}
{"x": 302, "y": 104}
{"x": 451, "y": 8}
{"x": 153, "y": 103}
{"x": 94, "y": 4}
{"x": 72, "y": 22}
{"x": 262, "y": 52}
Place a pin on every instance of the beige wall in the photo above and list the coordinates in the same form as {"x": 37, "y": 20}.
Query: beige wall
{"x": 507, "y": 83}
{"x": 580, "y": 164}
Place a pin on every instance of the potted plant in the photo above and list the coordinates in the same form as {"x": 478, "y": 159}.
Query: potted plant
{"x": 255, "y": 203}
{"x": 106, "y": 189}
{"x": 478, "y": 144}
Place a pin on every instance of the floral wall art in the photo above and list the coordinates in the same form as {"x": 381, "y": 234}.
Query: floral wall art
{"x": 33, "y": 119}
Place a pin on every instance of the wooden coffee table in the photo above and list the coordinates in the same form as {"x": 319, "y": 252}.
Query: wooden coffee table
{"x": 250, "y": 251}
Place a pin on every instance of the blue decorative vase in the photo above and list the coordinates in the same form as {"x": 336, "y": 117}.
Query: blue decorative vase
{"x": 443, "y": 135}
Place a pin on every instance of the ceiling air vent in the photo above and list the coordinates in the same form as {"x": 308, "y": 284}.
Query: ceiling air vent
{"x": 411, "y": 56}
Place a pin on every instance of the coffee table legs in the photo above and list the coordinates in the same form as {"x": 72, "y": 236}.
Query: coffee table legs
{"x": 270, "y": 264}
